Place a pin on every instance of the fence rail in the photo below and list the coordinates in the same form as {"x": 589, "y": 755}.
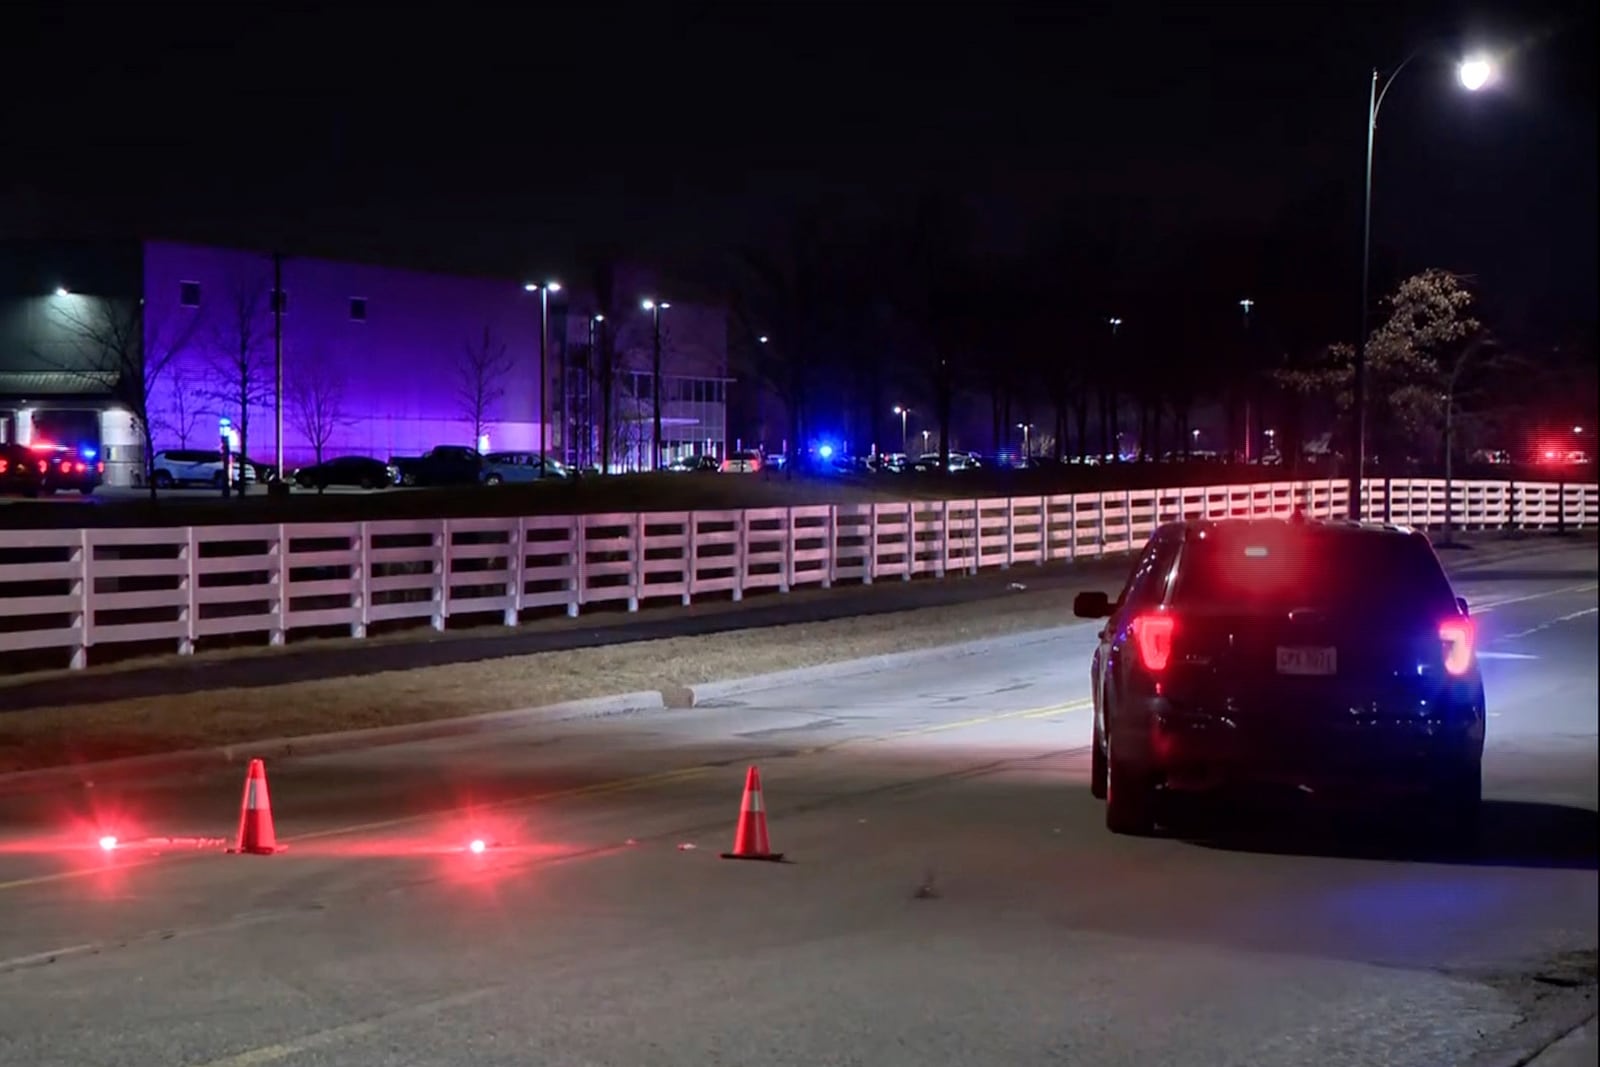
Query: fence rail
{"x": 74, "y": 590}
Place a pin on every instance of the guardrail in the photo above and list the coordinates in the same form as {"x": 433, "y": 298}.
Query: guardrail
{"x": 74, "y": 590}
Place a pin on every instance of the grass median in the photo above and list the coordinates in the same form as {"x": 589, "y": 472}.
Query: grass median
{"x": 48, "y": 737}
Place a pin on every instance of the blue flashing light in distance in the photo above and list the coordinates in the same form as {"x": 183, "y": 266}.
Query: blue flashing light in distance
{"x": 88, "y": 452}
{"x": 825, "y": 451}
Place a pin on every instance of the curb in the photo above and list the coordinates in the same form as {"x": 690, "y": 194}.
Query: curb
{"x": 698, "y": 695}
{"x": 192, "y": 760}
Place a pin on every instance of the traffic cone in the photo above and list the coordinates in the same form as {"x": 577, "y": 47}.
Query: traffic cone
{"x": 750, "y": 840}
{"x": 255, "y": 814}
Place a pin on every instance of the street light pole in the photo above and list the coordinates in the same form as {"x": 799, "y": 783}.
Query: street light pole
{"x": 655, "y": 308}
{"x": 1475, "y": 73}
{"x": 277, "y": 362}
{"x": 903, "y": 412}
{"x": 544, "y": 292}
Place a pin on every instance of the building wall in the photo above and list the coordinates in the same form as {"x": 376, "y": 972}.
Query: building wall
{"x": 397, "y": 368}
{"x": 397, "y": 372}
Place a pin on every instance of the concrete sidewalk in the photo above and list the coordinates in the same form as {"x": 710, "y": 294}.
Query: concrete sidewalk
{"x": 1580, "y": 1048}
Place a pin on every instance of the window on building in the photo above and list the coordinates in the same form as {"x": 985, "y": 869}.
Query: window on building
{"x": 358, "y": 309}
{"x": 189, "y": 294}
{"x": 280, "y": 301}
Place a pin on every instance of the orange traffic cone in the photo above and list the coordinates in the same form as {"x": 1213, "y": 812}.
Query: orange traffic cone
{"x": 750, "y": 840}
{"x": 255, "y": 814}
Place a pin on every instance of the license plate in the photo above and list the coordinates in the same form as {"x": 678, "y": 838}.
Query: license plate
{"x": 1308, "y": 661}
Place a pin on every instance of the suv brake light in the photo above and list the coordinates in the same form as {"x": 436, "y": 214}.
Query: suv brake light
{"x": 1152, "y": 637}
{"x": 5, "y": 464}
{"x": 1457, "y": 636}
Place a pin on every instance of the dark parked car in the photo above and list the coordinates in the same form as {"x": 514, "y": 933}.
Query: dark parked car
{"x": 22, "y": 470}
{"x": 440, "y": 465}
{"x": 70, "y": 469}
{"x": 361, "y": 472}
{"x": 1327, "y": 657}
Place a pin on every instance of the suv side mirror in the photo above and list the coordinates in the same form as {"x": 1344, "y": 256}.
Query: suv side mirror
{"x": 1095, "y": 605}
{"x": 1461, "y": 603}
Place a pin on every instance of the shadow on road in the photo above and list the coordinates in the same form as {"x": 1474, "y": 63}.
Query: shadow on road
{"x": 1513, "y": 834}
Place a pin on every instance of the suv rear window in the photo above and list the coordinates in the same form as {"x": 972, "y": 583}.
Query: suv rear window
{"x": 1330, "y": 570}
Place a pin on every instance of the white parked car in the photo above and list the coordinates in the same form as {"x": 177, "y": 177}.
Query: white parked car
{"x": 195, "y": 466}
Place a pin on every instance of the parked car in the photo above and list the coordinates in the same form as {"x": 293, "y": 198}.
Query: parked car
{"x": 696, "y": 464}
{"x": 500, "y": 468}
{"x": 195, "y": 466}
{"x": 22, "y": 470}
{"x": 71, "y": 469}
{"x": 361, "y": 472}
{"x": 745, "y": 462}
{"x": 440, "y": 465}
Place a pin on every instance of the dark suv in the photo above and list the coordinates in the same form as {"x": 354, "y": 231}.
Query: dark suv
{"x": 1328, "y": 657}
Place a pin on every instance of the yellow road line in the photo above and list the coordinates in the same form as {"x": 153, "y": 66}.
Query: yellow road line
{"x": 617, "y": 785}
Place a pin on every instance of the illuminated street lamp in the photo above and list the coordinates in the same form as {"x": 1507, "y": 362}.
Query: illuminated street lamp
{"x": 1027, "y": 438}
{"x": 1475, "y": 72}
{"x": 903, "y": 412}
{"x": 544, "y": 292}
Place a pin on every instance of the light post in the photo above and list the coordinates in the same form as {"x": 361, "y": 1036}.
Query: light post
{"x": 1475, "y": 72}
{"x": 544, "y": 292}
{"x": 903, "y": 412}
{"x": 1027, "y": 439}
{"x": 588, "y": 392}
{"x": 1244, "y": 305}
{"x": 655, "y": 307}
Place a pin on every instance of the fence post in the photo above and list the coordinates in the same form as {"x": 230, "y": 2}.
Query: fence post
{"x": 441, "y": 587}
{"x": 364, "y": 582}
{"x": 691, "y": 558}
{"x": 279, "y": 633}
{"x": 788, "y": 550}
{"x": 741, "y": 557}
{"x": 80, "y": 651}
{"x": 1561, "y": 507}
{"x": 190, "y": 580}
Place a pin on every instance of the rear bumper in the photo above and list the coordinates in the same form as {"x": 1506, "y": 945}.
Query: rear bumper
{"x": 1201, "y": 750}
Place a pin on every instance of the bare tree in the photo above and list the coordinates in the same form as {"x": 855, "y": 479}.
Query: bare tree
{"x": 183, "y": 411}
{"x": 119, "y": 347}
{"x": 241, "y": 360}
{"x": 481, "y": 381}
{"x": 316, "y": 404}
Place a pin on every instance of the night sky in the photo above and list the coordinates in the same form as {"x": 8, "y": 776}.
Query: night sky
{"x": 506, "y": 140}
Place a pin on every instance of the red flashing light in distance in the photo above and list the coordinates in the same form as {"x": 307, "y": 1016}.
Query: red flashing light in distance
{"x": 108, "y": 843}
{"x": 478, "y": 846}
{"x": 1457, "y": 636}
{"x": 1152, "y": 638}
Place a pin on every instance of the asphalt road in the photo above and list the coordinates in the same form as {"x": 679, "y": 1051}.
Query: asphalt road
{"x": 953, "y": 897}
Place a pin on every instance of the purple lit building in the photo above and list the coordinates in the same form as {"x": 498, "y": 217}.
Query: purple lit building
{"x": 376, "y": 361}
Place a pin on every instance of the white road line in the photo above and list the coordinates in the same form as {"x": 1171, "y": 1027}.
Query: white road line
{"x": 1490, "y": 605}
{"x": 349, "y": 1032}
{"x": 1553, "y": 622}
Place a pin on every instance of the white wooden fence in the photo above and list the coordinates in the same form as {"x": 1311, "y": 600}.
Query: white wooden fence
{"x": 73, "y": 590}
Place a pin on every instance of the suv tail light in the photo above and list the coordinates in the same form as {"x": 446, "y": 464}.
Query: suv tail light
{"x": 100, "y": 467}
{"x": 1152, "y": 638}
{"x": 1457, "y": 636}
{"x": 5, "y": 465}
{"x": 44, "y": 466}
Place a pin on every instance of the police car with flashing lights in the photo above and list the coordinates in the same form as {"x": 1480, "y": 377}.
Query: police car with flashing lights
{"x": 69, "y": 469}
{"x": 1331, "y": 658}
